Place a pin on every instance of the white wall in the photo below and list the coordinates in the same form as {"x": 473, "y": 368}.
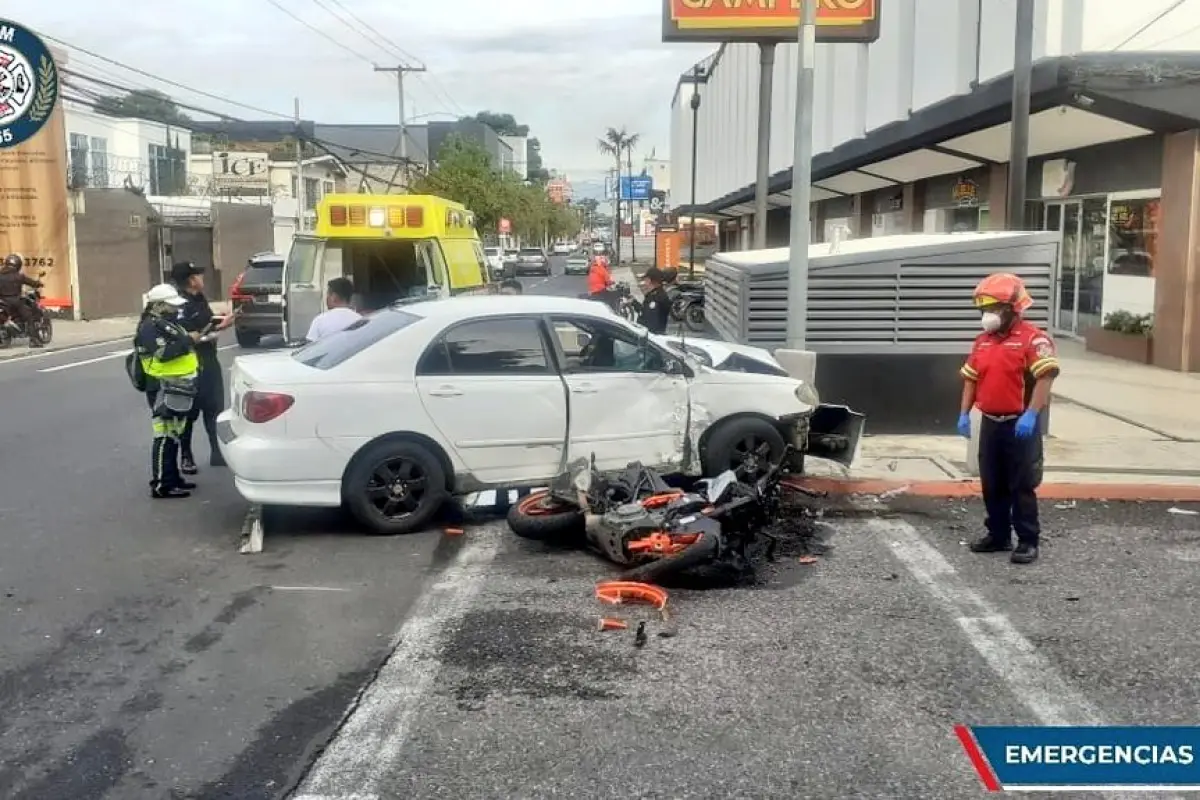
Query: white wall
{"x": 928, "y": 51}
{"x": 127, "y": 142}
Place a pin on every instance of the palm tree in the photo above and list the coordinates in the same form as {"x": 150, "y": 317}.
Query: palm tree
{"x": 615, "y": 143}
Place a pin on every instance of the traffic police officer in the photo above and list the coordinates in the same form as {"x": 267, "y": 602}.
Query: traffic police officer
{"x": 168, "y": 358}
{"x": 1008, "y": 377}
{"x": 196, "y": 317}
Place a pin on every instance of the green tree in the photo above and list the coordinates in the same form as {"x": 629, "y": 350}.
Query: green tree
{"x": 503, "y": 124}
{"x": 616, "y": 143}
{"x": 143, "y": 104}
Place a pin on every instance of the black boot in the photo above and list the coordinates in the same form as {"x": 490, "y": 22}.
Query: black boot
{"x": 1024, "y": 554}
{"x": 216, "y": 459}
{"x": 989, "y": 544}
{"x": 170, "y": 493}
{"x": 187, "y": 461}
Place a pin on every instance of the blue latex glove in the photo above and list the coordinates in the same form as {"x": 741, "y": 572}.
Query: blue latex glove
{"x": 1027, "y": 424}
{"x": 964, "y": 424}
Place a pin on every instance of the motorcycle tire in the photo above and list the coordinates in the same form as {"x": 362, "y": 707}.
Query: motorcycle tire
{"x": 678, "y": 308}
{"x": 701, "y": 553}
{"x": 541, "y": 518}
{"x": 693, "y": 317}
{"x": 44, "y": 330}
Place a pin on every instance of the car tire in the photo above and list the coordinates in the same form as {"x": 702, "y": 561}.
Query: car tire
{"x": 362, "y": 485}
{"x": 732, "y": 441}
{"x": 541, "y": 518}
{"x": 247, "y": 339}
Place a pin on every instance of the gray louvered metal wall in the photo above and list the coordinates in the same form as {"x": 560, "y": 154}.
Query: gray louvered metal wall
{"x": 914, "y": 299}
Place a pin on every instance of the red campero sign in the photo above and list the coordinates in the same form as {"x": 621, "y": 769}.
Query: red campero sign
{"x": 767, "y": 20}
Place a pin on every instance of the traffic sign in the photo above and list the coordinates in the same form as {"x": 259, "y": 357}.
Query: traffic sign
{"x": 505, "y": 226}
{"x": 636, "y": 187}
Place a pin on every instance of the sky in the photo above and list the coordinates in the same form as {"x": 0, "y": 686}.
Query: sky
{"x": 568, "y": 69}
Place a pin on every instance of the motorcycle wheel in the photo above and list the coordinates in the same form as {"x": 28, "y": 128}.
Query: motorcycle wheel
{"x": 6, "y": 337}
{"x": 693, "y": 317}
{"x": 44, "y": 330}
{"x": 699, "y": 554}
{"x": 678, "y": 308}
{"x": 543, "y": 518}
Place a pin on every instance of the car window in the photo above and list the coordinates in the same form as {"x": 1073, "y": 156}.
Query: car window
{"x": 302, "y": 261}
{"x": 595, "y": 346}
{"x": 530, "y": 251}
{"x": 332, "y": 350}
{"x": 488, "y": 347}
{"x": 264, "y": 273}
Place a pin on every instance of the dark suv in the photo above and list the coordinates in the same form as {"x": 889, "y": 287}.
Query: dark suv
{"x": 258, "y": 294}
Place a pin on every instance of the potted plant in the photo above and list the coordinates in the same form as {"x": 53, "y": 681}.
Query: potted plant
{"x": 1124, "y": 335}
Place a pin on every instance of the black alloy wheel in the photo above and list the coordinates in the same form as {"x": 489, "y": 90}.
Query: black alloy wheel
{"x": 396, "y": 487}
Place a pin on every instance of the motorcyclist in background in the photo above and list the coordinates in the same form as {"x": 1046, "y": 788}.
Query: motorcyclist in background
{"x": 12, "y": 283}
{"x": 600, "y": 282}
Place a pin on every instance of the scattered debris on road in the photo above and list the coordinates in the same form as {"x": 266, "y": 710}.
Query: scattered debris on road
{"x": 1187, "y": 512}
{"x": 612, "y": 624}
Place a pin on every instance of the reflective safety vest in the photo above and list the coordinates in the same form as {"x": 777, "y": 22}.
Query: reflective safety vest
{"x": 182, "y": 366}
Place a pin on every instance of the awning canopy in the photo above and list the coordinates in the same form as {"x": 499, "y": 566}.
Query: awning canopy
{"x": 1075, "y": 102}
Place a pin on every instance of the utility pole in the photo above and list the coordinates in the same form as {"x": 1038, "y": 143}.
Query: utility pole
{"x": 697, "y": 75}
{"x": 806, "y": 56}
{"x": 401, "y": 70}
{"x": 1018, "y": 160}
{"x": 299, "y": 173}
{"x": 762, "y": 174}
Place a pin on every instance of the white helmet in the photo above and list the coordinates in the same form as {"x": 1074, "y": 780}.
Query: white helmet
{"x": 163, "y": 293}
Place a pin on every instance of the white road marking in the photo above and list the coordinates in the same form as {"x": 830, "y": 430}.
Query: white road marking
{"x": 106, "y": 357}
{"x": 1033, "y": 679}
{"x": 34, "y": 354}
{"x": 356, "y": 762}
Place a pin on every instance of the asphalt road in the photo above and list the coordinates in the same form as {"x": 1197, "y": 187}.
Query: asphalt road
{"x": 145, "y": 658}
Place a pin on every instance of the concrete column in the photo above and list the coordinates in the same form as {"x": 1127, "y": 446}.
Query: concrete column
{"x": 997, "y": 197}
{"x": 1177, "y": 264}
{"x": 914, "y": 207}
{"x": 866, "y": 210}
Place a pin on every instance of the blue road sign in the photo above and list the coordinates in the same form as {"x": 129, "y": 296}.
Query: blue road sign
{"x": 637, "y": 187}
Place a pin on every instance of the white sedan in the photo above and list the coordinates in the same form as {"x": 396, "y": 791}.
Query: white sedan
{"x": 413, "y": 404}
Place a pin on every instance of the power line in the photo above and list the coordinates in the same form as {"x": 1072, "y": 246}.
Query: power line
{"x": 371, "y": 34}
{"x": 1172, "y": 37}
{"x": 165, "y": 81}
{"x": 320, "y": 32}
{"x": 1150, "y": 23}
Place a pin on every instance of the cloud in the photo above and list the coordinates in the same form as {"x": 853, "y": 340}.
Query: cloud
{"x": 566, "y": 76}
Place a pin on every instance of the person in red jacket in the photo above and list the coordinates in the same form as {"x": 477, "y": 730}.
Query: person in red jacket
{"x": 1008, "y": 376}
{"x": 600, "y": 282}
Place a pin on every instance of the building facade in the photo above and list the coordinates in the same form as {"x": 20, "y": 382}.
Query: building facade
{"x": 114, "y": 153}
{"x": 520, "y": 154}
{"x": 912, "y": 134}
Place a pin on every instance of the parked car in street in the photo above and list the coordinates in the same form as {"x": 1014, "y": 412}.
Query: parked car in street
{"x": 414, "y": 404}
{"x": 258, "y": 295}
{"x": 562, "y": 248}
{"x": 510, "y": 257}
{"x": 533, "y": 261}
{"x": 577, "y": 264}
{"x": 495, "y": 261}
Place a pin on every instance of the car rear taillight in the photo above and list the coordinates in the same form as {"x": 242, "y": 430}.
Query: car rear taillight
{"x": 262, "y": 407}
{"x": 235, "y": 291}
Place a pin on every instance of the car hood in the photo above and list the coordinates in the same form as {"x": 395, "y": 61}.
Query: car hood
{"x": 720, "y": 354}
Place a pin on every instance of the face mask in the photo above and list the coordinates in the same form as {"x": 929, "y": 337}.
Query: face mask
{"x": 992, "y": 321}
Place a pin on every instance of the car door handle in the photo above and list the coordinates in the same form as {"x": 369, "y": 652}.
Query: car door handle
{"x": 583, "y": 388}
{"x": 445, "y": 391}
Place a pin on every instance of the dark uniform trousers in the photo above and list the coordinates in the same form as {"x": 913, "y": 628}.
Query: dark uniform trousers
{"x": 1010, "y": 471}
{"x": 210, "y": 401}
{"x": 168, "y": 427}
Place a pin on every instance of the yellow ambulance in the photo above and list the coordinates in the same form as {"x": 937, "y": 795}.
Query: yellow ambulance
{"x": 393, "y": 248}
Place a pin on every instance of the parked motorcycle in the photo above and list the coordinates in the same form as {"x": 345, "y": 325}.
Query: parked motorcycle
{"x": 637, "y": 521}
{"x": 40, "y": 329}
{"x": 687, "y": 305}
{"x": 628, "y": 306}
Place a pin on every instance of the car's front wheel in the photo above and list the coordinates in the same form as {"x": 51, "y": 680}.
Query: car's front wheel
{"x": 746, "y": 442}
{"x": 395, "y": 487}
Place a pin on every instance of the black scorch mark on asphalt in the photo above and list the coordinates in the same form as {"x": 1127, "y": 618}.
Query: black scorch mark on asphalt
{"x": 88, "y": 772}
{"x": 233, "y": 609}
{"x": 284, "y": 747}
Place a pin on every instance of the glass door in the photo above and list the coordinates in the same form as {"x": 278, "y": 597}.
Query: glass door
{"x": 1079, "y": 283}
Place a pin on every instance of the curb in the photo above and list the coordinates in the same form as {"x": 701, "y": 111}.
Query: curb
{"x": 1149, "y": 492}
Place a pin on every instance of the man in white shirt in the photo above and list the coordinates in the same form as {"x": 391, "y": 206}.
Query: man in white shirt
{"x": 339, "y": 315}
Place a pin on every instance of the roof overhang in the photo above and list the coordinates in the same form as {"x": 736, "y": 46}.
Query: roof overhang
{"x": 1075, "y": 102}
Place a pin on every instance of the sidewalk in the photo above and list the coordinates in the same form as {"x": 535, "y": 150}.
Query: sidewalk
{"x": 1118, "y": 431}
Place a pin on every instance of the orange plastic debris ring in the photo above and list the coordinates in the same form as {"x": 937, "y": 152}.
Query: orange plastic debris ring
{"x": 612, "y": 624}
{"x": 660, "y": 500}
{"x": 663, "y": 544}
{"x": 618, "y": 592}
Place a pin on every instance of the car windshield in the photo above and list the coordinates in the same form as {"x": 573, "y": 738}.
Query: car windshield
{"x": 263, "y": 273}
{"x": 533, "y": 251}
{"x": 495, "y": 251}
{"x": 334, "y": 349}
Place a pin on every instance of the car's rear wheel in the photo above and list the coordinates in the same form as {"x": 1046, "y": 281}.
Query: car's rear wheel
{"x": 246, "y": 338}
{"x": 544, "y": 518}
{"x": 395, "y": 487}
{"x": 747, "y": 442}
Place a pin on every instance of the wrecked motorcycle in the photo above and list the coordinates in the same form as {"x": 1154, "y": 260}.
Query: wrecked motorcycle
{"x": 638, "y": 521}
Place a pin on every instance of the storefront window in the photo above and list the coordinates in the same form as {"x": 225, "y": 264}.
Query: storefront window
{"x": 1133, "y": 237}
{"x": 963, "y": 220}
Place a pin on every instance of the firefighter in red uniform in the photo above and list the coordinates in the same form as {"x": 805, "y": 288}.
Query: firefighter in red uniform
{"x": 1008, "y": 377}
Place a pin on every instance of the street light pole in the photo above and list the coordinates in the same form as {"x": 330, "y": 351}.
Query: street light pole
{"x": 1018, "y": 160}
{"x": 797, "y": 310}
{"x": 400, "y": 70}
{"x": 697, "y": 74}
